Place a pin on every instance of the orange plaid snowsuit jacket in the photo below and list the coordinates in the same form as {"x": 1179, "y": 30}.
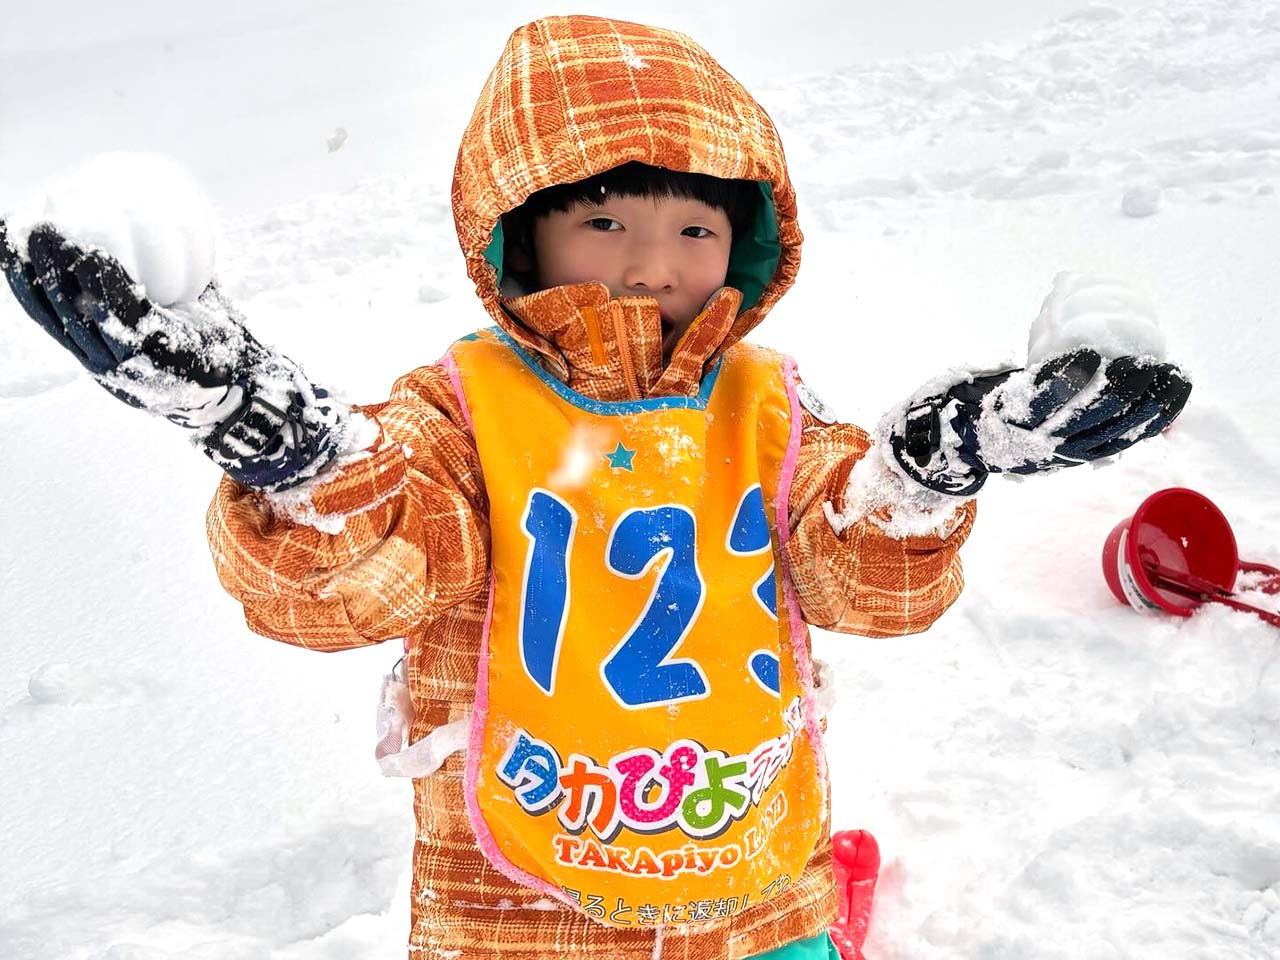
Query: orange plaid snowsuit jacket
{"x": 569, "y": 98}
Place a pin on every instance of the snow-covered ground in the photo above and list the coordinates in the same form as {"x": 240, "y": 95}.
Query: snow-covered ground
{"x": 1049, "y": 774}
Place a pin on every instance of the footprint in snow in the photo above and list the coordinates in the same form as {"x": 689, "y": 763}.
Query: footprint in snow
{"x": 60, "y": 683}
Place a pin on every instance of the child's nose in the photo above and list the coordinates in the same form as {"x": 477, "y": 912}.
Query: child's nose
{"x": 649, "y": 270}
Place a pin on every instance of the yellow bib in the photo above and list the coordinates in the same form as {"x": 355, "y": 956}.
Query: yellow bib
{"x": 641, "y": 743}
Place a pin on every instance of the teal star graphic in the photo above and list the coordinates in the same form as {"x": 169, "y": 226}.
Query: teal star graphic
{"x": 620, "y": 459}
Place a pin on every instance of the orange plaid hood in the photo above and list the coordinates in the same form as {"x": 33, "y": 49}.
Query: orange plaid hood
{"x": 575, "y": 96}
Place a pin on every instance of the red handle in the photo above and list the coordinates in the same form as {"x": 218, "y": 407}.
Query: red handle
{"x": 1234, "y": 604}
{"x": 1197, "y": 588}
{"x": 856, "y": 857}
{"x": 1267, "y": 586}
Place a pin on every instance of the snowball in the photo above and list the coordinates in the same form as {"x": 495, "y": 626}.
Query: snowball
{"x": 142, "y": 209}
{"x": 1083, "y": 310}
{"x": 1140, "y": 201}
{"x": 335, "y": 142}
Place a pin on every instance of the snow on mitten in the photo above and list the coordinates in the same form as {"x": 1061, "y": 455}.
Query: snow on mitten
{"x": 1069, "y": 409}
{"x": 250, "y": 409}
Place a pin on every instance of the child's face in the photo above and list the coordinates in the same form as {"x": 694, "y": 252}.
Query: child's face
{"x": 673, "y": 249}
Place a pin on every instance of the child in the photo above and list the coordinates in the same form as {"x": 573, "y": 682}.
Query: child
{"x": 602, "y": 525}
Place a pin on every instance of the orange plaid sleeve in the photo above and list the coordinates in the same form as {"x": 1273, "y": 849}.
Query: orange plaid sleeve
{"x": 863, "y": 581}
{"x": 410, "y": 538}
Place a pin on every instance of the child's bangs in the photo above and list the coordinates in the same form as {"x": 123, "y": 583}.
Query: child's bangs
{"x": 737, "y": 198}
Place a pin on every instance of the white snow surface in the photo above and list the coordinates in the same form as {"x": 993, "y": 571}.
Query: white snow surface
{"x": 1049, "y": 775}
{"x": 1099, "y": 312}
{"x": 144, "y": 210}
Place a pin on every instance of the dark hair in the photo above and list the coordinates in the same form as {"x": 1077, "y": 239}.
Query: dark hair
{"x": 739, "y": 199}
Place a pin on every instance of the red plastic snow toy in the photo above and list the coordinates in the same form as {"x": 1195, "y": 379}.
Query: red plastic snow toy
{"x": 1178, "y": 551}
{"x": 857, "y": 865}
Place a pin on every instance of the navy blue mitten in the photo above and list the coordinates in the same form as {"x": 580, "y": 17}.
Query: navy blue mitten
{"x": 1070, "y": 409}
{"x": 250, "y": 409}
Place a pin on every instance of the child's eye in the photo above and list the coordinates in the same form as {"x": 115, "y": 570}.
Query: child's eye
{"x": 694, "y": 232}
{"x": 606, "y": 224}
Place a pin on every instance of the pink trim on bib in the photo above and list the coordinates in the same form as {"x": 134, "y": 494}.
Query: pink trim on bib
{"x": 475, "y": 746}
{"x": 475, "y": 735}
{"x": 451, "y": 367}
{"x": 795, "y": 617}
